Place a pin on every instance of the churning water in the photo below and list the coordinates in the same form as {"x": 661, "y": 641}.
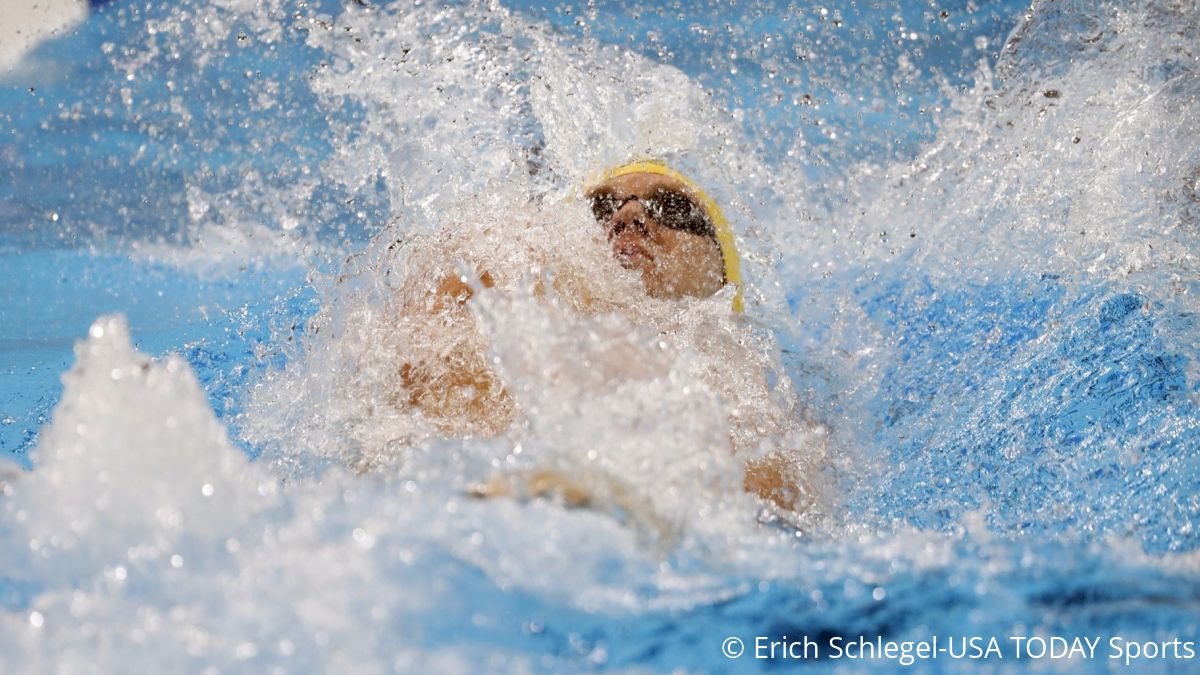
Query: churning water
{"x": 969, "y": 233}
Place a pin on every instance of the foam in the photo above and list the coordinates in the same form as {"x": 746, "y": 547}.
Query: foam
{"x": 24, "y": 26}
{"x": 133, "y": 455}
{"x": 137, "y": 492}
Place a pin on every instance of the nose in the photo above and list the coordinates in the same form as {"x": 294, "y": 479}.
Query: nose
{"x": 631, "y": 216}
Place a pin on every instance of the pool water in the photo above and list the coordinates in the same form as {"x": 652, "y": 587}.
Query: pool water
{"x": 969, "y": 232}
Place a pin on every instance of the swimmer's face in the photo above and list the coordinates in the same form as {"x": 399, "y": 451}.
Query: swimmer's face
{"x": 655, "y": 227}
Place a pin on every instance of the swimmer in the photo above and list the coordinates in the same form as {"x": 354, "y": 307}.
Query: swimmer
{"x": 660, "y": 225}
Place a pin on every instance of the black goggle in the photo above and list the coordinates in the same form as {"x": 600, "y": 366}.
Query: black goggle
{"x": 668, "y": 208}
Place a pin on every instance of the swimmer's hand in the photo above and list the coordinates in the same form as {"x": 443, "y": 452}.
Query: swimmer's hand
{"x": 588, "y": 489}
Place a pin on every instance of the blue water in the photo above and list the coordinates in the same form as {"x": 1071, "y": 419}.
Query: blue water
{"x": 986, "y": 287}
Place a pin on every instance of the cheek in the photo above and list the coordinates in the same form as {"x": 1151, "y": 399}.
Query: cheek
{"x": 674, "y": 265}
{"x": 687, "y": 254}
{"x": 698, "y": 266}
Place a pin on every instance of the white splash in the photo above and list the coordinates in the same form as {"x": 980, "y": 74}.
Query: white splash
{"x": 24, "y": 25}
{"x": 142, "y": 529}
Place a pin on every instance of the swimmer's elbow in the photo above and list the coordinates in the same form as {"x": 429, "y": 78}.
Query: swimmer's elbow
{"x": 776, "y": 479}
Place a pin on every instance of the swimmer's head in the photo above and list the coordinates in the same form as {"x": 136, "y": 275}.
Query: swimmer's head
{"x": 663, "y": 225}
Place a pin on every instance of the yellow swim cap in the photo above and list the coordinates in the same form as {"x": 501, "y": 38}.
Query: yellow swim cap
{"x": 729, "y": 255}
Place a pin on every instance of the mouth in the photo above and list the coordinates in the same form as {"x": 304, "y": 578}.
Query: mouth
{"x": 631, "y": 255}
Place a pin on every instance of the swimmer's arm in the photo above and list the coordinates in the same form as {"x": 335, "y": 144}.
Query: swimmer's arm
{"x": 453, "y": 290}
{"x": 534, "y": 483}
{"x": 455, "y": 389}
{"x": 774, "y": 478}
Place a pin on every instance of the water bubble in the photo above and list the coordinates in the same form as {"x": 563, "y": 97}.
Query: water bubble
{"x": 246, "y": 650}
{"x": 363, "y": 538}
